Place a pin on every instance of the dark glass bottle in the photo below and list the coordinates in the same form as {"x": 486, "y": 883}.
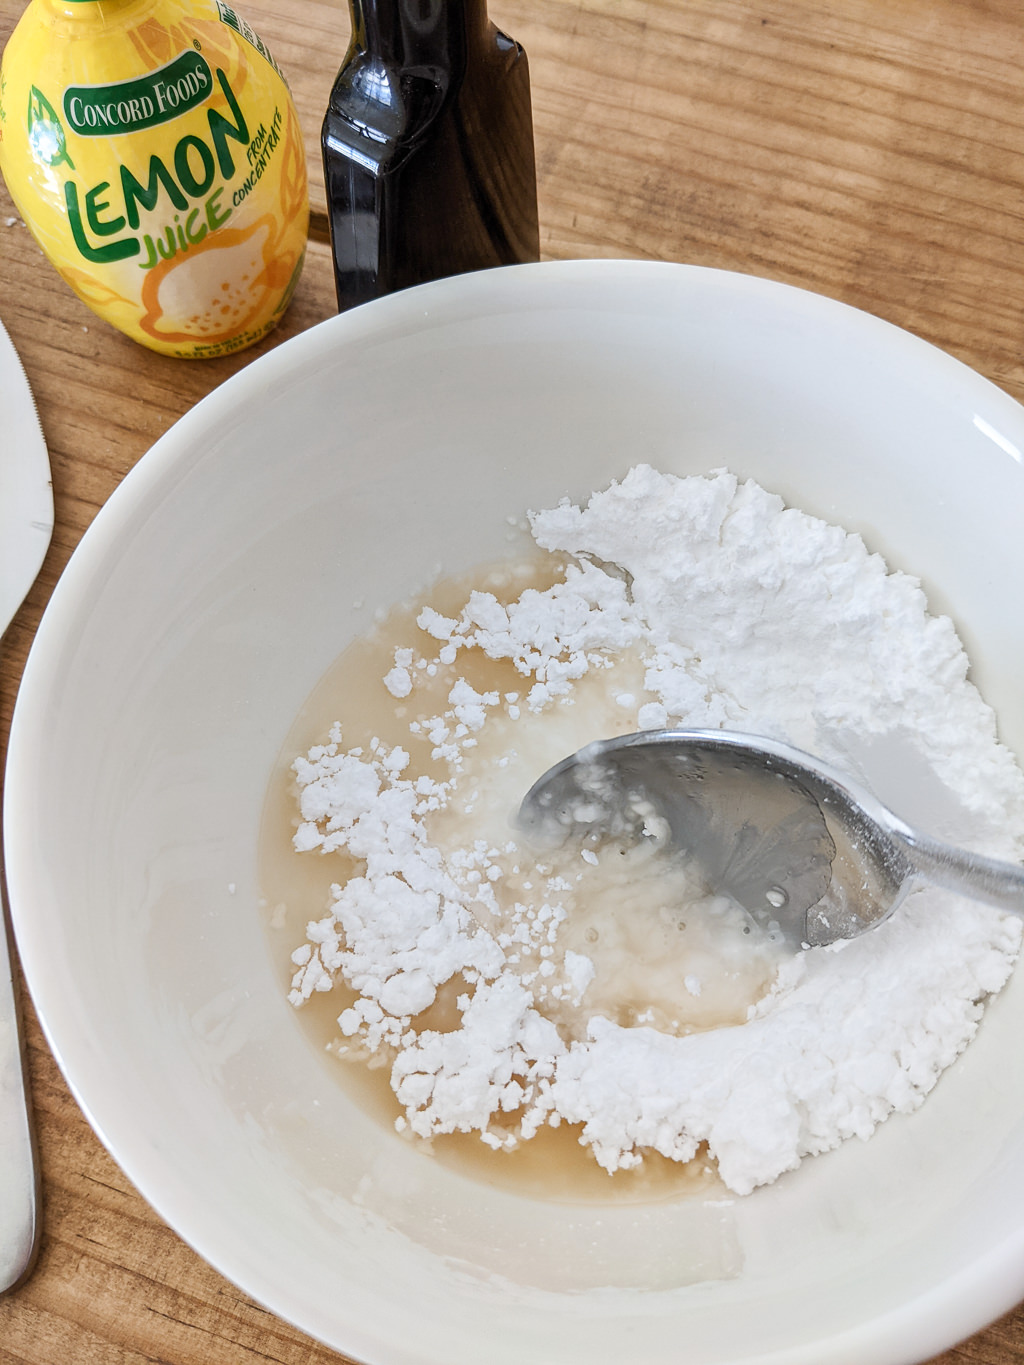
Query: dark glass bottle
{"x": 428, "y": 148}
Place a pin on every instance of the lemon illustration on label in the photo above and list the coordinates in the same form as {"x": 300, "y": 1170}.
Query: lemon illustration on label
{"x": 154, "y": 150}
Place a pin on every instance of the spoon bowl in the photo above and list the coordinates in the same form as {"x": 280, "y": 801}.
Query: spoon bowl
{"x": 795, "y": 842}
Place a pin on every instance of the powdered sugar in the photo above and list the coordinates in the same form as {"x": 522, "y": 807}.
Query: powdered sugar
{"x": 608, "y": 993}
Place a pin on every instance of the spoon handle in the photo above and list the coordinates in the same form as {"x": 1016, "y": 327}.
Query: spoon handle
{"x": 985, "y": 879}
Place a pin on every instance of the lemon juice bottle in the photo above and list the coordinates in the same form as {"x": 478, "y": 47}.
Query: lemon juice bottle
{"x": 153, "y": 149}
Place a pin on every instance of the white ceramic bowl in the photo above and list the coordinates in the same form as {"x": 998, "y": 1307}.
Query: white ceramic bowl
{"x": 334, "y": 476}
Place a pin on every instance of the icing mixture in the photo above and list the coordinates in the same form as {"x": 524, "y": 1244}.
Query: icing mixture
{"x": 507, "y": 990}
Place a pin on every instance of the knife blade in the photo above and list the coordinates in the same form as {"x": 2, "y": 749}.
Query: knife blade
{"x": 26, "y": 523}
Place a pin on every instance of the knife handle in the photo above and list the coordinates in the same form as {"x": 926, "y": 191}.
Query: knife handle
{"x": 19, "y": 1171}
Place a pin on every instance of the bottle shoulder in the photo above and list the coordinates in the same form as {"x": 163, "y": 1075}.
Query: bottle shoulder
{"x": 376, "y": 107}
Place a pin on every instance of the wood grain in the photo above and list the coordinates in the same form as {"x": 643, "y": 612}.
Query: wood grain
{"x": 867, "y": 150}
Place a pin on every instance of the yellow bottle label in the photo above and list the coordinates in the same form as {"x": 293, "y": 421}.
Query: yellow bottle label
{"x": 153, "y": 148}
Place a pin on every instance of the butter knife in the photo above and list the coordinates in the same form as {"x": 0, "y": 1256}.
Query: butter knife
{"x": 26, "y": 523}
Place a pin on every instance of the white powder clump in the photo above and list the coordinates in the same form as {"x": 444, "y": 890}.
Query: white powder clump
{"x": 591, "y": 991}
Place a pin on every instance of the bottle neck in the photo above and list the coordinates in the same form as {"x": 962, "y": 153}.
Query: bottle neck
{"x": 413, "y": 32}
{"x": 96, "y": 15}
{"x": 92, "y": 7}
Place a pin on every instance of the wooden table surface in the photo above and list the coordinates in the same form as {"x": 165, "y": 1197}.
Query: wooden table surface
{"x": 872, "y": 150}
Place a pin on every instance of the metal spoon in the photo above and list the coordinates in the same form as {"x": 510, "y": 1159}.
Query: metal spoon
{"x": 792, "y": 840}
